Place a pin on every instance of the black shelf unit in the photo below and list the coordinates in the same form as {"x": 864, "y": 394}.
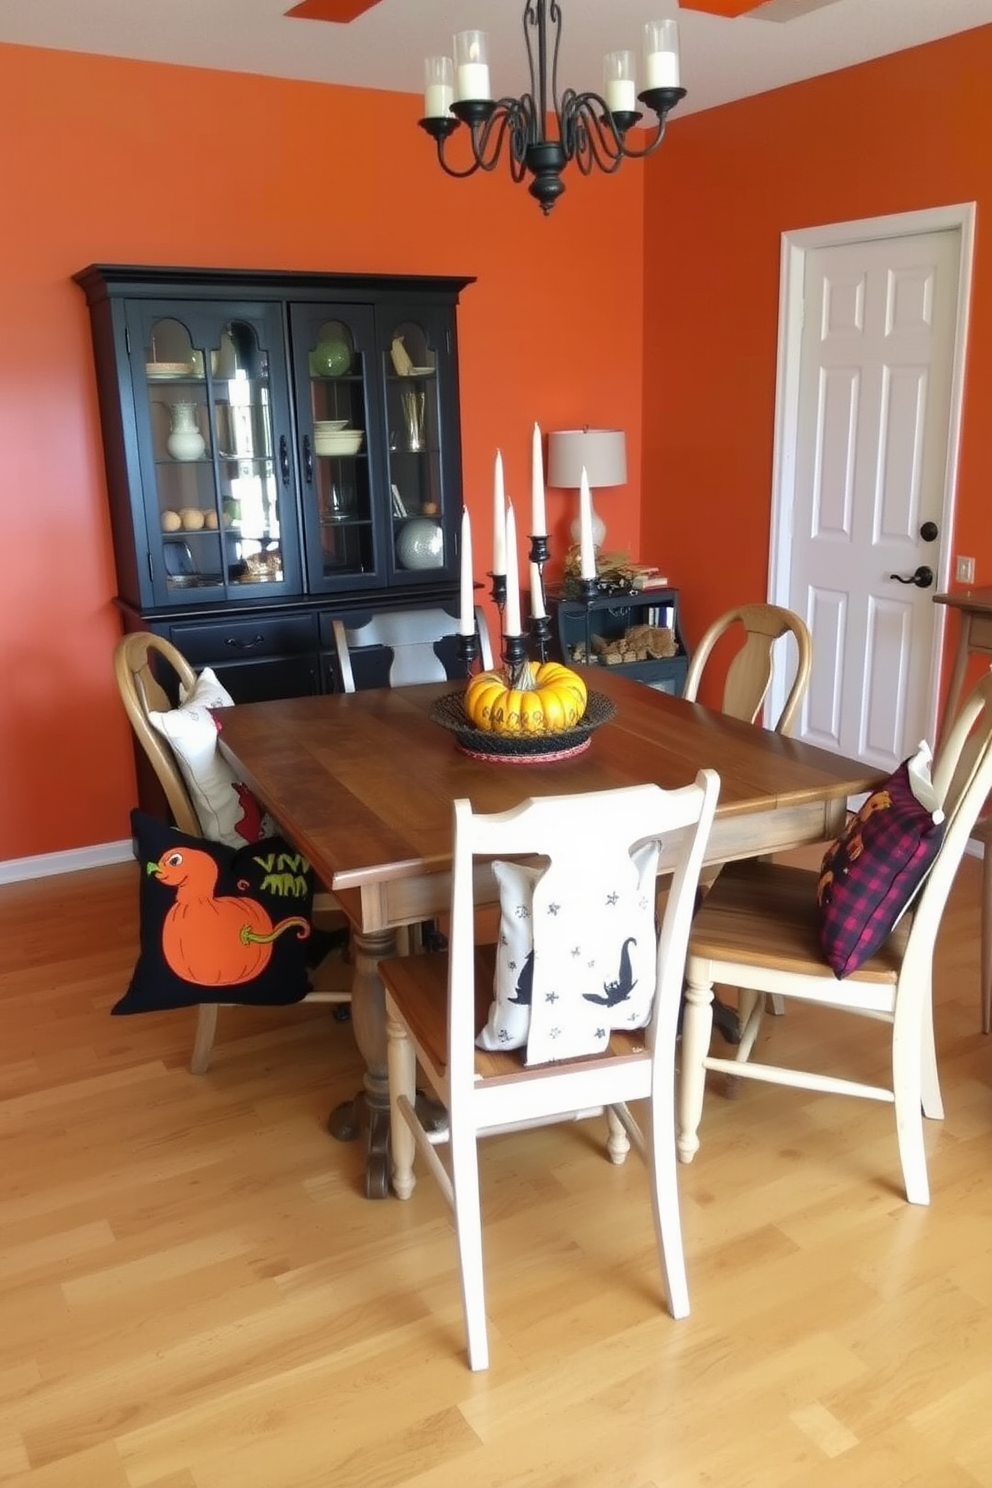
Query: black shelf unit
{"x": 575, "y": 622}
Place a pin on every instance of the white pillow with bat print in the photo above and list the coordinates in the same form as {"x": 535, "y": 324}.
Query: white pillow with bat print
{"x": 575, "y": 957}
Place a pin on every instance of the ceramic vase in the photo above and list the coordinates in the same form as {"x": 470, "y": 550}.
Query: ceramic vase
{"x": 184, "y": 442}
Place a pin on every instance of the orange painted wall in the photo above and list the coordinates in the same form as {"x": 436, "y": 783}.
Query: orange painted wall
{"x": 114, "y": 161}
{"x": 903, "y": 133}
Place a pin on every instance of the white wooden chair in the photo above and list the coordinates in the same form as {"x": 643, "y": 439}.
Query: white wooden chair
{"x": 436, "y": 1005}
{"x": 141, "y": 661}
{"x": 395, "y": 648}
{"x": 759, "y": 931}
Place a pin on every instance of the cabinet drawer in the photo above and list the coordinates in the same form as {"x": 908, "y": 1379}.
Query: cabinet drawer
{"x": 214, "y": 642}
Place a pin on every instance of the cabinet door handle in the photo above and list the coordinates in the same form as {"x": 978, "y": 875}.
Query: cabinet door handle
{"x": 307, "y": 460}
{"x": 284, "y": 459}
{"x": 256, "y": 640}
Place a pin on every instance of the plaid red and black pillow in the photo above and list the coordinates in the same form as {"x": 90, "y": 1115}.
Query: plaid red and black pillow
{"x": 870, "y": 875}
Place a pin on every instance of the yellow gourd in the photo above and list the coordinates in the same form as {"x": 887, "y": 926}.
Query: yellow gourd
{"x": 537, "y": 698}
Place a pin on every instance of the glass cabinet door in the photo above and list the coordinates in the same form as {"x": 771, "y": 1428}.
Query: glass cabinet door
{"x": 217, "y": 469}
{"x": 413, "y": 361}
{"x": 338, "y": 444}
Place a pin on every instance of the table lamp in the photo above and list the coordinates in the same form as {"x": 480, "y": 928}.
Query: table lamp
{"x": 603, "y": 453}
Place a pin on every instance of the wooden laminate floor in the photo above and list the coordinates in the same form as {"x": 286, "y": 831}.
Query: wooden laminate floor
{"x": 194, "y": 1294}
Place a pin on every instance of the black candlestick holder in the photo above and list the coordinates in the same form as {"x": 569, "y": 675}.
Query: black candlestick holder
{"x": 468, "y": 650}
{"x": 540, "y": 629}
{"x": 514, "y": 650}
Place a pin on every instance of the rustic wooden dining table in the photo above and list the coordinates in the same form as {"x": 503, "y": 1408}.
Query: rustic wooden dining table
{"x": 363, "y": 784}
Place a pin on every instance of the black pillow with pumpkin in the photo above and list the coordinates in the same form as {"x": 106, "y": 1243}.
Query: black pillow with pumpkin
{"x": 218, "y": 924}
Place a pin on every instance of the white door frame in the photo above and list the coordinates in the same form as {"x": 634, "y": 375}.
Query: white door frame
{"x": 959, "y": 218}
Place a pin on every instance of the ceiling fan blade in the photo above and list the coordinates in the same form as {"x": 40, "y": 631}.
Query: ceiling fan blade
{"x": 331, "y": 10}
{"x": 728, "y": 8}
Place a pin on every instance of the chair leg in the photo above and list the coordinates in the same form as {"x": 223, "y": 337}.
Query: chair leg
{"x": 906, "y": 1065}
{"x": 617, "y": 1142}
{"x": 932, "y": 1100}
{"x": 203, "y": 1042}
{"x": 402, "y": 1065}
{"x": 468, "y": 1229}
{"x": 697, "y": 1028}
{"x": 986, "y": 912}
{"x": 663, "y": 1170}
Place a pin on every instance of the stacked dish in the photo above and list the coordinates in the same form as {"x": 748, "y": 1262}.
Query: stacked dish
{"x": 337, "y": 441}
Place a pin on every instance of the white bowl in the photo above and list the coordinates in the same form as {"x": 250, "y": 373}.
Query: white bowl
{"x": 339, "y": 442}
{"x": 329, "y": 426}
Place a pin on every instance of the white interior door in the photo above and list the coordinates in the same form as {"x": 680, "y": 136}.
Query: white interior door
{"x": 866, "y": 456}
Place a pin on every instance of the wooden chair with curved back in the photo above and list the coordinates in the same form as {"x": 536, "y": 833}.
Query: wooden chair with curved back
{"x": 749, "y": 676}
{"x": 141, "y": 659}
{"x": 750, "y": 672}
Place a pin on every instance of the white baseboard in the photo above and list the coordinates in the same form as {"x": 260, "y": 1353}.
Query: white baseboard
{"x": 15, "y": 870}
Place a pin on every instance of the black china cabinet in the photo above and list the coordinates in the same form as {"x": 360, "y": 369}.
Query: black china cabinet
{"x": 282, "y": 449}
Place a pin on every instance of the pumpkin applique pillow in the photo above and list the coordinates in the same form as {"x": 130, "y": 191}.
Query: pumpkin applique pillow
{"x": 872, "y": 873}
{"x": 218, "y": 924}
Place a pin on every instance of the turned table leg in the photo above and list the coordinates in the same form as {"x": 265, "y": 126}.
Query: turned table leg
{"x": 369, "y": 1110}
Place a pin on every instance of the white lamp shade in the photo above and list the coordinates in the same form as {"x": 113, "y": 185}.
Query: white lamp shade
{"x": 602, "y": 452}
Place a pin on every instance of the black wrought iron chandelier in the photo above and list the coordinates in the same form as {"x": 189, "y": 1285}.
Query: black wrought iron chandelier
{"x": 591, "y": 128}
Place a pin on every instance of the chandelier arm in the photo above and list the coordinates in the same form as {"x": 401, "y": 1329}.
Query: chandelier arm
{"x": 590, "y": 138}
{"x": 511, "y": 119}
{"x": 451, "y": 170}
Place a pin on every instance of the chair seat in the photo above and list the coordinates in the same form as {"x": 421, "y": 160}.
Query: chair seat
{"x": 765, "y": 914}
{"x": 419, "y": 984}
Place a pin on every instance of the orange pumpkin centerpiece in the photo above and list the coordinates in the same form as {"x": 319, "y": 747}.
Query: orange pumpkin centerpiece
{"x": 532, "y": 698}
{"x": 210, "y": 939}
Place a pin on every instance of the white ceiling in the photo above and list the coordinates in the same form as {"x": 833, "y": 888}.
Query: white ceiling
{"x": 721, "y": 59}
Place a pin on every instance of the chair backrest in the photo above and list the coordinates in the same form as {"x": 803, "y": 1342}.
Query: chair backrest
{"x": 750, "y": 672}
{"x": 962, "y": 779}
{"x": 137, "y": 659}
{"x": 399, "y": 647}
{"x": 588, "y": 843}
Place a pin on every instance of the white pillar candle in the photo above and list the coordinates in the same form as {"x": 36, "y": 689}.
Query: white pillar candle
{"x": 537, "y": 609}
{"x": 587, "y": 550}
{"x": 439, "y": 86}
{"x": 466, "y": 616}
{"x": 499, "y": 518}
{"x": 661, "y": 54}
{"x": 471, "y": 65}
{"x": 438, "y": 98}
{"x": 511, "y": 616}
{"x": 538, "y": 521}
{"x": 619, "y": 90}
{"x": 620, "y": 96}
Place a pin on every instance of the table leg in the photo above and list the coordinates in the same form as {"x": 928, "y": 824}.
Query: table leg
{"x": 369, "y": 1110}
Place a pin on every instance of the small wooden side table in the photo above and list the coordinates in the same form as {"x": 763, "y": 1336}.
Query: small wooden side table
{"x": 975, "y": 637}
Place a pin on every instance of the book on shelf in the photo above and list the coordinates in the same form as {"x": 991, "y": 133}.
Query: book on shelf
{"x": 653, "y": 580}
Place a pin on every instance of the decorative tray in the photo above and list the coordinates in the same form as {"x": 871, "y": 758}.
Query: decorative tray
{"x": 521, "y": 749}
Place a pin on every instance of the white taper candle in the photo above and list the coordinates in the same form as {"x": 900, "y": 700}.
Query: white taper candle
{"x": 587, "y": 550}
{"x": 466, "y": 615}
{"x": 537, "y": 609}
{"x": 511, "y": 621}
{"x": 538, "y": 521}
{"x": 499, "y": 518}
